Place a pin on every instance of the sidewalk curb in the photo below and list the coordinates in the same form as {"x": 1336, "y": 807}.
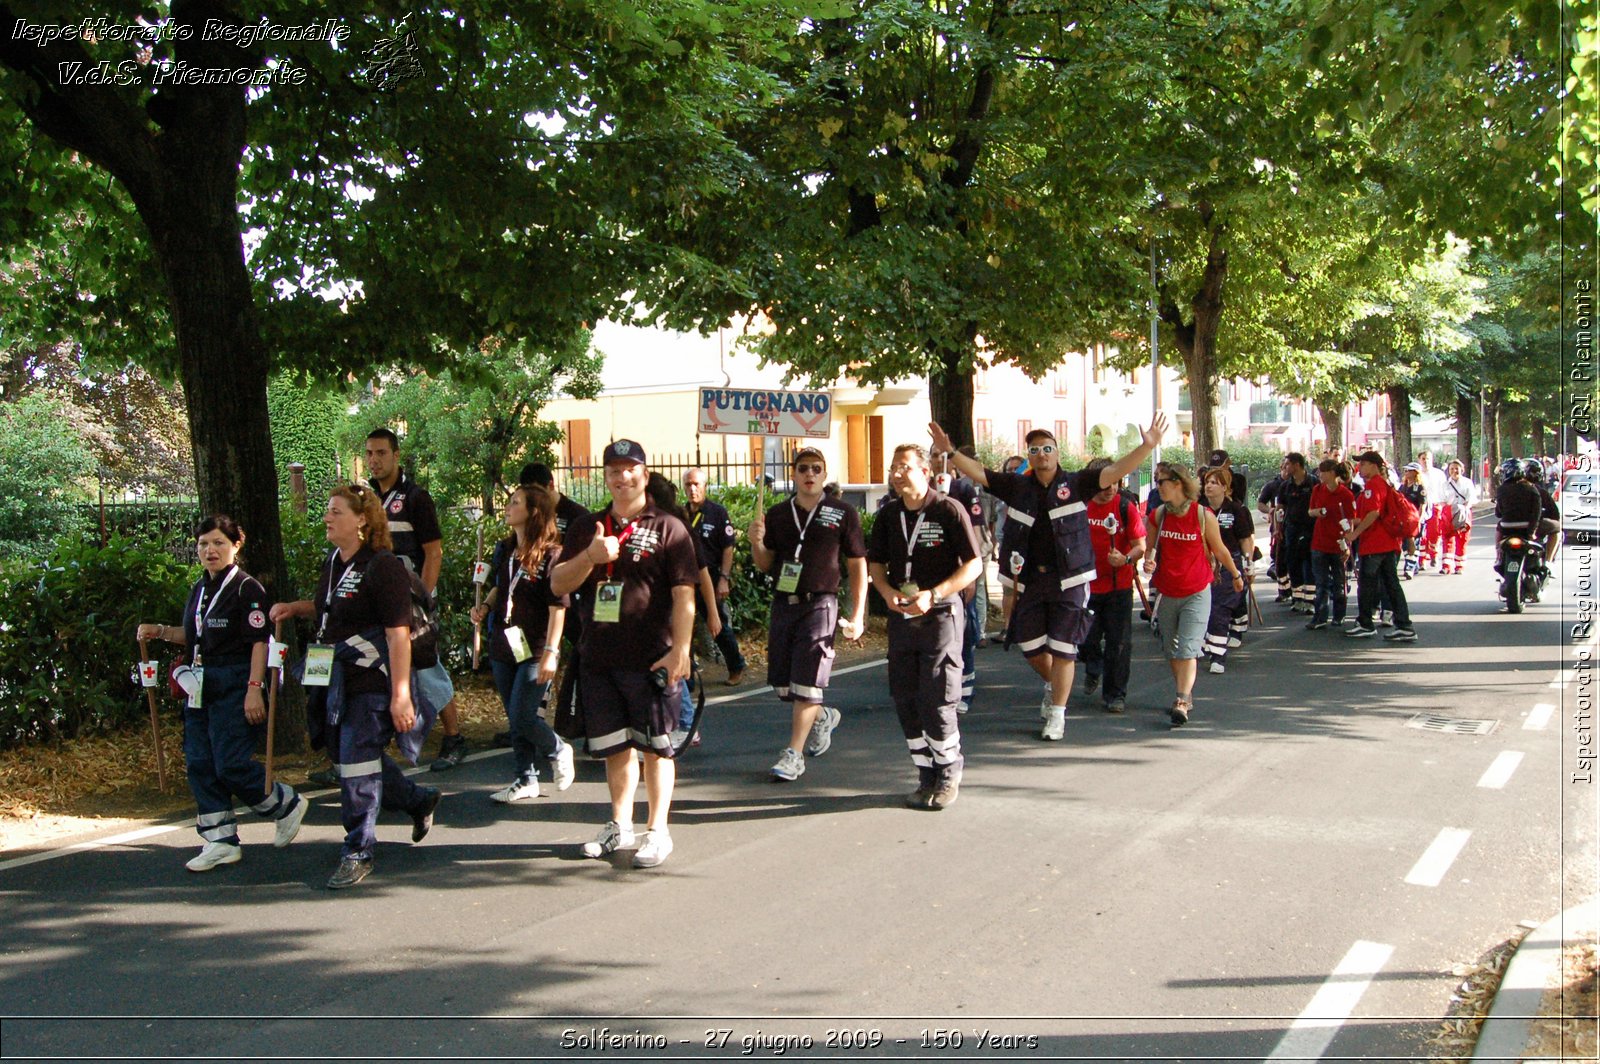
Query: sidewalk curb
{"x": 1507, "y": 1028}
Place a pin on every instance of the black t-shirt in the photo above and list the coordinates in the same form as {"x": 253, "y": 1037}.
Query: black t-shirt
{"x": 233, "y": 606}
{"x": 1234, "y": 523}
{"x": 371, "y": 590}
{"x": 413, "y": 520}
{"x": 1296, "y": 500}
{"x": 831, "y": 529}
{"x": 714, "y": 529}
{"x": 944, "y": 541}
{"x": 1269, "y": 492}
{"x": 1010, "y": 487}
{"x": 657, "y": 556}
{"x": 529, "y": 597}
{"x": 568, "y": 510}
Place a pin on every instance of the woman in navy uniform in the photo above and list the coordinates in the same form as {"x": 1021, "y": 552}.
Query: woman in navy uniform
{"x": 224, "y": 635}
{"x": 363, "y": 600}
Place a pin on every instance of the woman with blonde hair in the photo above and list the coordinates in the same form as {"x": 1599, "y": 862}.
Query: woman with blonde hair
{"x": 362, "y": 617}
{"x": 526, "y": 619}
{"x": 1186, "y": 542}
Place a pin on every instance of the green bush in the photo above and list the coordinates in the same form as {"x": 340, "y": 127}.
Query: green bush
{"x": 42, "y": 458}
{"x": 66, "y": 642}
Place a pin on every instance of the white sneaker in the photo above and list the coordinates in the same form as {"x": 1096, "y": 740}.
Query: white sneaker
{"x": 562, "y": 771}
{"x": 288, "y": 825}
{"x": 1234, "y": 642}
{"x": 655, "y": 848}
{"x": 790, "y": 766}
{"x": 519, "y": 791}
{"x": 821, "y": 736}
{"x": 962, "y": 706}
{"x": 213, "y": 854}
{"x": 612, "y": 837}
{"x": 1217, "y": 667}
{"x": 1055, "y": 725}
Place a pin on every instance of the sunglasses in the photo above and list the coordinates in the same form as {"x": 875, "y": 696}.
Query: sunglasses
{"x": 1168, "y": 480}
{"x": 807, "y": 467}
{"x": 1045, "y": 448}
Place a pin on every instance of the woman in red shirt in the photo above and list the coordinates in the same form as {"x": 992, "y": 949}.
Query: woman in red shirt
{"x": 1186, "y": 541}
{"x": 1334, "y": 508}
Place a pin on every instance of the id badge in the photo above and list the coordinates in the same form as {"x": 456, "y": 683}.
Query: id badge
{"x": 517, "y": 640}
{"x": 199, "y": 676}
{"x": 789, "y": 578}
{"x": 319, "y": 665}
{"x": 608, "y": 602}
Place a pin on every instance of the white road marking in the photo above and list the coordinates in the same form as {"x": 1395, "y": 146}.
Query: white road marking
{"x": 1311, "y": 1034}
{"x": 1431, "y": 867}
{"x": 1498, "y": 774}
{"x": 92, "y": 844}
{"x": 1563, "y": 678}
{"x": 1538, "y": 716}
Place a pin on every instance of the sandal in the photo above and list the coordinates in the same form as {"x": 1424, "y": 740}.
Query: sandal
{"x": 1180, "y": 710}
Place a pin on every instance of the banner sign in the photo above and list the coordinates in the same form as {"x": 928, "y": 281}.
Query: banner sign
{"x": 758, "y": 412}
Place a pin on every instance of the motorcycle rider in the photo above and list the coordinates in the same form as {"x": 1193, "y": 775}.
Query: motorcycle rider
{"x": 1517, "y": 508}
{"x": 1549, "y": 526}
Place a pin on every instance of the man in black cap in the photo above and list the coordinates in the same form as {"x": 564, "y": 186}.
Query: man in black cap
{"x": 637, "y": 568}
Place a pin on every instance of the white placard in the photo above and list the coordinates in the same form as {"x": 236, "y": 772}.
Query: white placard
{"x": 763, "y": 412}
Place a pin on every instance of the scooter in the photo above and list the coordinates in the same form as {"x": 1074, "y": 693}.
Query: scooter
{"x": 1522, "y": 571}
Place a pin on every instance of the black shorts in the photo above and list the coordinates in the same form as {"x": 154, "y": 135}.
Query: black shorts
{"x": 800, "y": 646}
{"x": 1049, "y": 620}
{"x": 622, "y": 709}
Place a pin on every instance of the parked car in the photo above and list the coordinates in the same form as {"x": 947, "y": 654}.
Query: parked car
{"x": 1580, "y": 507}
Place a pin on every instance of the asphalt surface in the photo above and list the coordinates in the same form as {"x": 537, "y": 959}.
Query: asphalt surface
{"x": 1291, "y": 876}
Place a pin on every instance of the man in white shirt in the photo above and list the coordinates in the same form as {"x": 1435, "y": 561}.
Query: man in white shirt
{"x": 1436, "y": 521}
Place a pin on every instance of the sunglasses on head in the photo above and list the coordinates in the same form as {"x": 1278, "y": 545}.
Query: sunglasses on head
{"x": 1043, "y": 448}
{"x": 809, "y": 467}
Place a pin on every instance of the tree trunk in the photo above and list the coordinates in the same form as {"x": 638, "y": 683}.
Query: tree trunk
{"x": 1515, "y": 442}
{"x": 1464, "y": 431}
{"x": 1333, "y": 422}
{"x": 1400, "y": 411}
{"x": 950, "y": 395}
{"x": 1197, "y": 337}
{"x": 1491, "y": 432}
{"x": 1538, "y": 437}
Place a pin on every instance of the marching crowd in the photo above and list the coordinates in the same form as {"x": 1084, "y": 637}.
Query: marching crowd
{"x": 617, "y": 592}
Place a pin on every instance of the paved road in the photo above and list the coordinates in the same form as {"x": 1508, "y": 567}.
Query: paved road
{"x": 1231, "y": 890}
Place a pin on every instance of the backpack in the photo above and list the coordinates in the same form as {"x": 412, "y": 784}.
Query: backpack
{"x": 1398, "y": 516}
{"x": 424, "y": 625}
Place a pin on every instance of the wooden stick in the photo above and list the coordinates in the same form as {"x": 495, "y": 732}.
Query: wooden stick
{"x": 477, "y": 603}
{"x": 1138, "y": 585}
{"x": 1255, "y": 608}
{"x": 155, "y": 722}
{"x": 272, "y": 701}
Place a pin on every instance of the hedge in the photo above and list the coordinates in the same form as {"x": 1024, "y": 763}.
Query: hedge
{"x": 67, "y": 650}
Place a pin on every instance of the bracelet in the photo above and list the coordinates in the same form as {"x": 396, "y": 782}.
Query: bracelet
{"x": 253, "y": 683}
{"x": 552, "y": 650}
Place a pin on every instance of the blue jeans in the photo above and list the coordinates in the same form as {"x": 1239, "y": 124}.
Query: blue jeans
{"x": 1331, "y": 593}
{"x": 973, "y": 628}
{"x": 532, "y": 740}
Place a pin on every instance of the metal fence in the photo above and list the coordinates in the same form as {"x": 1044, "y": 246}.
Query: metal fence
{"x": 585, "y": 481}
{"x": 168, "y": 521}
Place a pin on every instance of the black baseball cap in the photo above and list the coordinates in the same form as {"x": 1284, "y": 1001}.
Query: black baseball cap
{"x": 624, "y": 451}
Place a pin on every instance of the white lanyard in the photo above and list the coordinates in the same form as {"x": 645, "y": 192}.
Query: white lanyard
{"x": 911, "y": 537}
{"x": 202, "y": 611}
{"x": 327, "y": 602}
{"x": 795, "y": 511}
{"x": 398, "y": 484}
{"x": 516, "y": 578}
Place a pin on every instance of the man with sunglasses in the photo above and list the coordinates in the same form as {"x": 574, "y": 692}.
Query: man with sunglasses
{"x": 1048, "y": 553}
{"x": 799, "y": 541}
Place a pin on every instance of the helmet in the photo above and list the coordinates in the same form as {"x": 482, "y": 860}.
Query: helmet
{"x": 1533, "y": 469}
{"x": 1510, "y": 469}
